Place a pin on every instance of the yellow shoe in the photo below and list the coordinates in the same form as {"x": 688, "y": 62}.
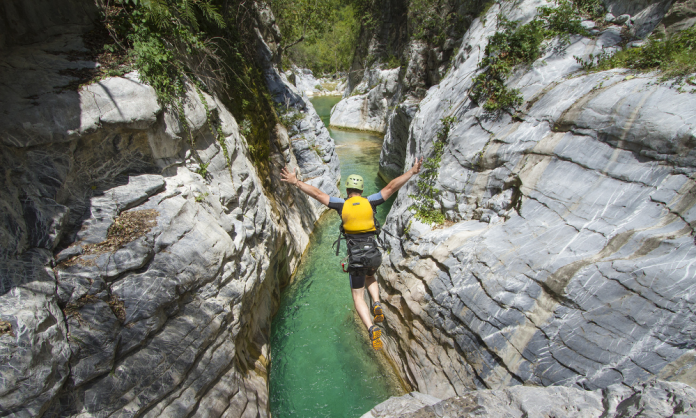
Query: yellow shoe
{"x": 377, "y": 312}
{"x": 375, "y": 340}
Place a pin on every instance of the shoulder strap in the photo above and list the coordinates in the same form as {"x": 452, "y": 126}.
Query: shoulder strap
{"x": 378, "y": 227}
{"x": 341, "y": 235}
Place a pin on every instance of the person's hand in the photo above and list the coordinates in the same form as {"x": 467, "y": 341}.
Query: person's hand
{"x": 288, "y": 176}
{"x": 417, "y": 166}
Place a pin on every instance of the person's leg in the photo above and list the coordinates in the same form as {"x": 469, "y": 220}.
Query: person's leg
{"x": 372, "y": 288}
{"x": 361, "y": 306}
{"x": 357, "y": 288}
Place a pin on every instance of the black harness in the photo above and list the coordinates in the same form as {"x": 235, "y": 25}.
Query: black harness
{"x": 363, "y": 250}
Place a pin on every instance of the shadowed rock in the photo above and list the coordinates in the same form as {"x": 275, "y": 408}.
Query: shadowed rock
{"x": 140, "y": 259}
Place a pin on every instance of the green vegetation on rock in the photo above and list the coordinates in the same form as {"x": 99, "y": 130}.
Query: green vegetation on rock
{"x": 424, "y": 205}
{"x": 428, "y": 19}
{"x": 204, "y": 45}
{"x": 515, "y": 44}
{"x": 288, "y": 116}
{"x": 393, "y": 62}
{"x": 590, "y": 8}
{"x": 166, "y": 42}
{"x": 674, "y": 57}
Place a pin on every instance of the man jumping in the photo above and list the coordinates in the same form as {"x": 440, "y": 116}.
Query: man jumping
{"x": 358, "y": 222}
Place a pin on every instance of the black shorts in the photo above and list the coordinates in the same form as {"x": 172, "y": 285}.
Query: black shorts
{"x": 357, "y": 281}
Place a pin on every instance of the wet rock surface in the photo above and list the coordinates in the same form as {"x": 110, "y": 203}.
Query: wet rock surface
{"x": 139, "y": 267}
{"x": 568, "y": 255}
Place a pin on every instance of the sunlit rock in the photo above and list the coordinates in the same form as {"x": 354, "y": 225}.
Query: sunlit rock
{"x": 567, "y": 258}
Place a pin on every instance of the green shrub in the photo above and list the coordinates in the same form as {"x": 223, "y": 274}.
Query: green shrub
{"x": 562, "y": 21}
{"x": 427, "y": 20}
{"x": 514, "y": 45}
{"x": 162, "y": 38}
{"x": 179, "y": 43}
{"x": 424, "y": 206}
{"x": 393, "y": 62}
{"x": 203, "y": 169}
{"x": 674, "y": 57}
{"x": 245, "y": 128}
{"x": 591, "y": 8}
{"x": 288, "y": 116}
{"x": 509, "y": 46}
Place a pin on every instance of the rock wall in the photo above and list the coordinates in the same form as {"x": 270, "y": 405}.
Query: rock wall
{"x": 305, "y": 82}
{"x": 656, "y": 399}
{"x": 385, "y": 36}
{"x": 140, "y": 262}
{"x": 567, "y": 258}
{"x": 28, "y": 22}
{"x": 384, "y": 100}
{"x": 372, "y": 89}
{"x": 366, "y": 109}
{"x": 393, "y": 154}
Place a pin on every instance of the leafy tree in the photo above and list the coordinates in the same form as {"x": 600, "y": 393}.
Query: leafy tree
{"x": 301, "y": 20}
{"x": 332, "y": 51}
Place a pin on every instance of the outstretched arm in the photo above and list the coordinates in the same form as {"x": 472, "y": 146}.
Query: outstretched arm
{"x": 290, "y": 177}
{"x": 396, "y": 184}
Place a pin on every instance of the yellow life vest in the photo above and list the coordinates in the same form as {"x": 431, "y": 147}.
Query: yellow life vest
{"x": 358, "y": 216}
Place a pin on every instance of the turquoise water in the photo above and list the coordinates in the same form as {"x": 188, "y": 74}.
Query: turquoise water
{"x": 322, "y": 364}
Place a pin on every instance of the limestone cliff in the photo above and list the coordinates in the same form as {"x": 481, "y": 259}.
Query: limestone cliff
{"x": 421, "y": 38}
{"x": 140, "y": 261}
{"x": 367, "y": 109}
{"x": 372, "y": 87}
{"x": 568, "y": 255}
{"x": 655, "y": 399}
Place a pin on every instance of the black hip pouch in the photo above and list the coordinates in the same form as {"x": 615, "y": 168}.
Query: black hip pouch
{"x": 363, "y": 253}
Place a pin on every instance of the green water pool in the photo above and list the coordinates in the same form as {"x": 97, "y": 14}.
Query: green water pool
{"x": 322, "y": 365}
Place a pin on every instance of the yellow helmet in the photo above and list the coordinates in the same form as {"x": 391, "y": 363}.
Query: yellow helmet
{"x": 355, "y": 182}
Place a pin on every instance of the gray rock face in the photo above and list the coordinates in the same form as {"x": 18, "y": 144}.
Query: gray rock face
{"x": 304, "y": 80}
{"x": 681, "y": 15}
{"x": 425, "y": 61}
{"x": 569, "y": 259}
{"x": 655, "y": 399}
{"x": 402, "y": 405}
{"x": 393, "y": 154}
{"x": 368, "y": 107}
{"x": 140, "y": 266}
{"x": 642, "y": 16}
